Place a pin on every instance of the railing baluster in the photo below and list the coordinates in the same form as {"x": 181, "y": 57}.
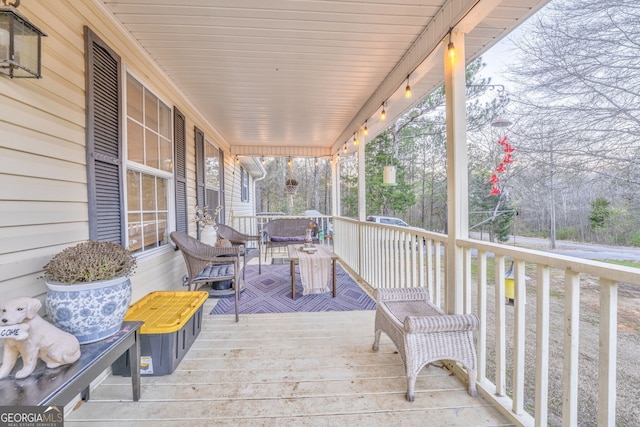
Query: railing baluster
{"x": 467, "y": 281}
{"x": 542, "y": 345}
{"x": 519, "y": 338}
{"x": 500, "y": 327}
{"x": 608, "y": 355}
{"x": 571, "y": 341}
{"x": 437, "y": 273}
{"x": 431, "y": 271}
{"x": 482, "y": 316}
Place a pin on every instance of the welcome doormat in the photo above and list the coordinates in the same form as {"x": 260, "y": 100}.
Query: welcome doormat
{"x": 270, "y": 292}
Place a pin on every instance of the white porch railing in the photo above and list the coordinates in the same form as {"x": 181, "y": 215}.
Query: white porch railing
{"x": 390, "y": 256}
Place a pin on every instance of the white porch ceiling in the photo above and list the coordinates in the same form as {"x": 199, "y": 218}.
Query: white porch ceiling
{"x": 299, "y": 77}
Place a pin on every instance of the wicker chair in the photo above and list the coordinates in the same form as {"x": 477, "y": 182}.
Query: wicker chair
{"x": 423, "y": 333}
{"x": 206, "y": 263}
{"x": 237, "y": 238}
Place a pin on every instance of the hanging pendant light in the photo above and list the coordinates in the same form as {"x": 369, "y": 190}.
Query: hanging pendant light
{"x": 383, "y": 114}
{"x": 389, "y": 175}
{"x": 365, "y": 130}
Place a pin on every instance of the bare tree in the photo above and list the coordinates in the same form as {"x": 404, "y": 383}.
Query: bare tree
{"x": 577, "y": 80}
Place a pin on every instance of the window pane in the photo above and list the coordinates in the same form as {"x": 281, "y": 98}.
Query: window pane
{"x": 166, "y": 155}
{"x": 135, "y": 231}
{"x": 133, "y": 191}
{"x": 148, "y": 193}
{"x": 165, "y": 120}
{"x": 134, "y": 99}
{"x": 150, "y": 227}
{"x": 163, "y": 233}
{"x": 161, "y": 196}
{"x": 150, "y": 110}
{"x": 151, "y": 144}
{"x": 135, "y": 142}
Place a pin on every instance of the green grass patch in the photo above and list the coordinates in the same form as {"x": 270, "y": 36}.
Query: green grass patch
{"x": 634, "y": 264}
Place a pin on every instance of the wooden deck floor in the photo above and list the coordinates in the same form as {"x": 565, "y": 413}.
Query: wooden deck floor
{"x": 298, "y": 369}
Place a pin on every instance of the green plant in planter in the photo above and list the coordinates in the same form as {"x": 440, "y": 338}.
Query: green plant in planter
{"x": 89, "y": 289}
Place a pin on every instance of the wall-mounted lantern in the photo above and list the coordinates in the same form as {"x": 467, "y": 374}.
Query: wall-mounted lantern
{"x": 19, "y": 43}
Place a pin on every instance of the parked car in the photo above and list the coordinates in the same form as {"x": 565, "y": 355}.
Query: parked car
{"x": 390, "y": 220}
{"x": 387, "y": 220}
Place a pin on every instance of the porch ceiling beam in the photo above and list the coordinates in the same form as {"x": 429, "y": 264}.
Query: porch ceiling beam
{"x": 280, "y": 151}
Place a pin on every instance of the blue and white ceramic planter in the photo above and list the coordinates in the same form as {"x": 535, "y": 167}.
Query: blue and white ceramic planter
{"x": 90, "y": 311}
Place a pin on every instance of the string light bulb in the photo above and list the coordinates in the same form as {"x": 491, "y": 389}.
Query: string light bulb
{"x": 289, "y": 161}
{"x": 316, "y": 162}
{"x": 262, "y": 160}
{"x": 344, "y": 150}
{"x": 355, "y": 139}
{"x": 407, "y": 90}
{"x": 452, "y": 50}
{"x": 237, "y": 160}
{"x": 366, "y": 129}
{"x": 383, "y": 114}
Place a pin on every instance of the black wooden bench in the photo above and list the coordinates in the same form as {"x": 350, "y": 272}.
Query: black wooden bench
{"x": 58, "y": 386}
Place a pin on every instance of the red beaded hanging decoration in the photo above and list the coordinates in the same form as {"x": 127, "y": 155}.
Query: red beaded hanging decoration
{"x": 506, "y": 160}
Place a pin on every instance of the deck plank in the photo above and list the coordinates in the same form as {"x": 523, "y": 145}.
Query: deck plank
{"x": 306, "y": 369}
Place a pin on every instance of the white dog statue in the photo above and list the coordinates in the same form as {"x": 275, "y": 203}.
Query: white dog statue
{"x": 33, "y": 338}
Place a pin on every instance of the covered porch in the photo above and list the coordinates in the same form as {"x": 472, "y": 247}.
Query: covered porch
{"x": 301, "y": 79}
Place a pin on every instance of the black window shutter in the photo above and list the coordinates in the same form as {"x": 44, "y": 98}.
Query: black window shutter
{"x": 104, "y": 141}
{"x": 200, "y": 173}
{"x": 180, "y": 166}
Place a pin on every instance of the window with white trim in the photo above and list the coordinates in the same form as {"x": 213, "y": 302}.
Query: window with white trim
{"x": 149, "y": 163}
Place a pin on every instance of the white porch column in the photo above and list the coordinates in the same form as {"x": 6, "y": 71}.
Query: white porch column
{"x": 335, "y": 196}
{"x": 457, "y": 174}
{"x": 362, "y": 183}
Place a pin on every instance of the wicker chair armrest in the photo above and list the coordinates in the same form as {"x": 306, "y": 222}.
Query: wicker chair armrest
{"x": 241, "y": 237}
{"x": 442, "y": 323}
{"x": 403, "y": 294}
{"x": 217, "y": 254}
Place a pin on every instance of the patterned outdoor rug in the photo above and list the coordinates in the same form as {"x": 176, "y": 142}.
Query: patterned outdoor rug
{"x": 270, "y": 292}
